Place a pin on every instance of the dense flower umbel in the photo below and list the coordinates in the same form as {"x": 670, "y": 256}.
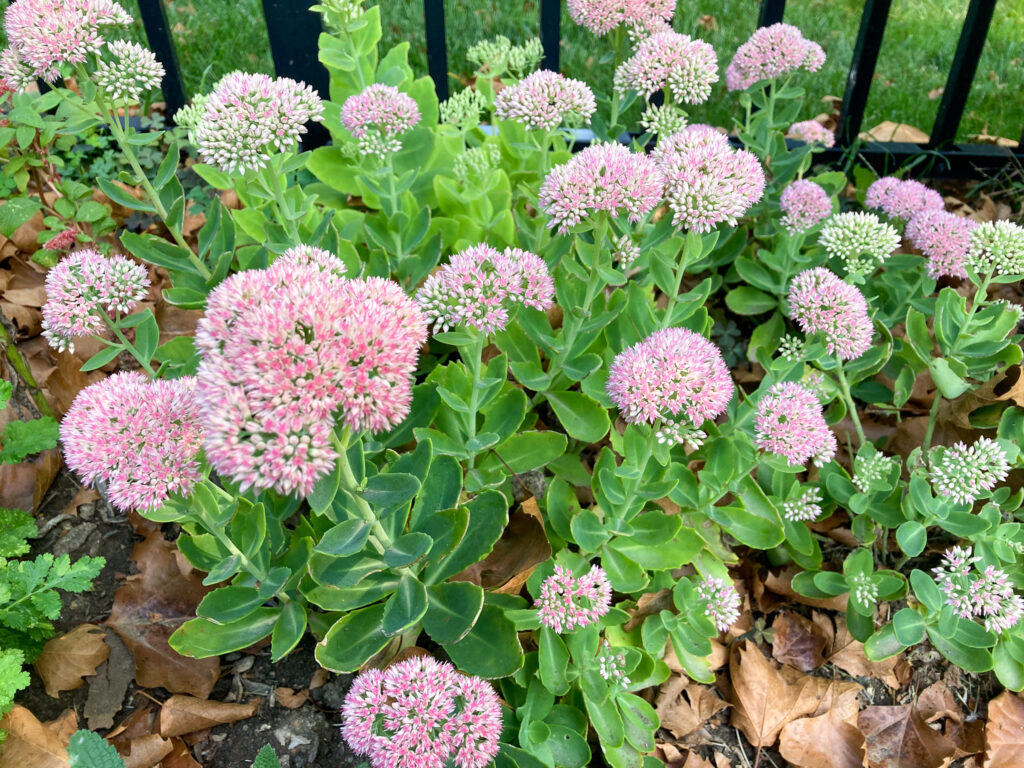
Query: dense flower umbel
{"x": 498, "y": 55}
{"x": 996, "y": 247}
{"x": 481, "y": 286}
{"x": 293, "y": 349}
{"x": 546, "y": 100}
{"x": 131, "y": 73}
{"x": 944, "y": 238}
{"x": 249, "y": 116}
{"x": 860, "y": 240}
{"x": 686, "y": 67}
{"x": 902, "y": 199}
{"x": 707, "y": 182}
{"x": 663, "y": 120}
{"x": 377, "y": 116}
{"x": 722, "y": 602}
{"x": 987, "y": 595}
{"x": 603, "y": 177}
{"x": 421, "y": 713}
{"x": 965, "y": 474}
{"x": 806, "y": 507}
{"x": 820, "y": 302}
{"x": 137, "y": 436}
{"x": 790, "y": 423}
{"x": 673, "y": 371}
{"x": 82, "y": 288}
{"x": 567, "y": 603}
{"x": 804, "y": 204}
{"x": 770, "y": 52}
{"x": 463, "y": 109}
{"x": 602, "y": 16}
{"x": 812, "y": 132}
{"x": 45, "y": 34}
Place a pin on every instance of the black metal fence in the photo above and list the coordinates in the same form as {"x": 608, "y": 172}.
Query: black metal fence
{"x": 291, "y": 21}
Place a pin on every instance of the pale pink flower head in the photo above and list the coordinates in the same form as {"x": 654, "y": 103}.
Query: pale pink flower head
{"x": 602, "y": 16}
{"x": 546, "y": 100}
{"x": 481, "y": 287}
{"x": 902, "y": 199}
{"x": 770, "y": 52}
{"x": 45, "y": 34}
{"x": 83, "y": 288}
{"x": 686, "y": 67}
{"x": 139, "y": 437}
{"x": 249, "y": 116}
{"x": 567, "y": 603}
{"x": 944, "y": 238}
{"x": 63, "y": 240}
{"x": 820, "y": 302}
{"x": 707, "y": 182}
{"x": 421, "y": 713}
{"x": 804, "y": 205}
{"x": 790, "y": 424}
{"x": 603, "y": 177}
{"x": 377, "y": 116}
{"x": 987, "y": 595}
{"x": 673, "y": 371}
{"x": 812, "y": 132}
{"x": 721, "y": 601}
{"x": 130, "y": 73}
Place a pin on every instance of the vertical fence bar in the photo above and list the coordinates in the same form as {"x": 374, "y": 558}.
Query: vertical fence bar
{"x": 158, "y": 32}
{"x": 293, "y": 30}
{"x": 961, "y": 73}
{"x": 862, "y": 69}
{"x": 437, "y": 46}
{"x": 771, "y": 12}
{"x": 551, "y": 32}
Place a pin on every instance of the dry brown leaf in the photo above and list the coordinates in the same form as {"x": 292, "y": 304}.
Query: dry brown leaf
{"x": 721, "y": 761}
{"x": 968, "y": 737}
{"x": 147, "y": 751}
{"x": 521, "y": 548}
{"x": 826, "y": 741}
{"x": 848, "y": 654}
{"x": 66, "y": 660}
{"x": 798, "y": 642}
{"x": 185, "y": 714}
{"x": 22, "y": 486}
{"x": 319, "y": 679}
{"x": 890, "y": 131}
{"x": 683, "y": 706}
{"x": 108, "y": 687}
{"x": 1004, "y": 734}
{"x": 782, "y": 584}
{"x": 179, "y": 757}
{"x": 290, "y": 699}
{"x": 82, "y": 496}
{"x": 936, "y": 702}
{"x": 693, "y": 760}
{"x": 898, "y": 737}
{"x": 31, "y": 743}
{"x": 719, "y": 657}
{"x": 1006, "y": 387}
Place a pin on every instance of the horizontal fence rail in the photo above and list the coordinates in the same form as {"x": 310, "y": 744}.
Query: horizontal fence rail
{"x": 293, "y": 30}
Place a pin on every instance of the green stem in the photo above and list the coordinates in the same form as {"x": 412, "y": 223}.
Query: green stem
{"x": 844, "y": 386}
{"x": 933, "y": 418}
{"x": 472, "y": 356}
{"x": 392, "y": 194}
{"x": 129, "y": 347}
{"x": 630, "y": 490}
{"x": 275, "y": 188}
{"x": 673, "y": 297}
{"x": 23, "y": 371}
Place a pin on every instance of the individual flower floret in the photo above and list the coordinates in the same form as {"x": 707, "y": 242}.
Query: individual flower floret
{"x": 997, "y": 247}
{"x": 812, "y": 132}
{"x": 474, "y": 163}
{"x": 820, "y": 302}
{"x": 602, "y": 16}
{"x": 686, "y": 67}
{"x": 805, "y": 508}
{"x": 860, "y": 240}
{"x": 722, "y": 602}
{"x": 673, "y": 371}
{"x": 804, "y": 204}
{"x": 790, "y": 423}
{"x": 965, "y": 474}
{"x": 944, "y": 238}
{"x": 770, "y": 52}
{"x": 421, "y": 712}
{"x": 84, "y": 288}
{"x": 546, "y": 100}
{"x": 481, "y": 286}
{"x": 902, "y": 199}
{"x": 707, "y": 182}
{"x": 662, "y": 120}
{"x": 139, "y": 437}
{"x": 248, "y": 116}
{"x": 464, "y": 109}
{"x": 987, "y": 595}
{"x": 567, "y": 603}
{"x": 378, "y": 116}
{"x": 132, "y": 73}
{"x": 603, "y": 177}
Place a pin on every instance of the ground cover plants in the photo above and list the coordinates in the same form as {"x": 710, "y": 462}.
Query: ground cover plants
{"x": 517, "y": 435}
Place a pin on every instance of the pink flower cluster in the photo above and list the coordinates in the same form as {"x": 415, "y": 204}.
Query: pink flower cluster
{"x": 804, "y": 204}
{"x": 812, "y": 132}
{"x": 421, "y": 713}
{"x": 988, "y": 595}
{"x": 248, "y": 116}
{"x": 481, "y": 286}
{"x": 722, "y": 602}
{"x": 63, "y": 240}
{"x": 83, "y": 288}
{"x": 139, "y": 437}
{"x": 45, "y": 34}
{"x": 567, "y": 603}
{"x": 902, "y": 199}
{"x": 707, "y": 182}
{"x": 668, "y": 59}
{"x": 820, "y": 302}
{"x": 670, "y": 372}
{"x": 546, "y": 100}
{"x": 603, "y": 177}
{"x": 377, "y": 116}
{"x": 790, "y": 423}
{"x": 292, "y": 350}
{"x": 602, "y": 16}
{"x": 771, "y": 52}
{"x": 944, "y": 238}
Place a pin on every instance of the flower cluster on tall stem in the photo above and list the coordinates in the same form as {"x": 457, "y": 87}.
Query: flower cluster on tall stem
{"x": 790, "y": 423}
{"x": 567, "y": 602}
{"x": 772, "y": 51}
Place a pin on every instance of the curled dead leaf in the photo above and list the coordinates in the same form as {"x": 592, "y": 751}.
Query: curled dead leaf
{"x": 898, "y": 737}
{"x": 683, "y": 706}
{"x": 185, "y": 714}
{"x": 826, "y": 741}
{"x": 798, "y": 642}
{"x": 32, "y": 743}
{"x": 1004, "y": 733}
{"x": 67, "y": 660}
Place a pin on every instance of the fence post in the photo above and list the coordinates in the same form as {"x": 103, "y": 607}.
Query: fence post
{"x": 154, "y": 20}
{"x": 551, "y": 32}
{"x": 771, "y": 12}
{"x": 437, "y": 46}
{"x": 862, "y": 69}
